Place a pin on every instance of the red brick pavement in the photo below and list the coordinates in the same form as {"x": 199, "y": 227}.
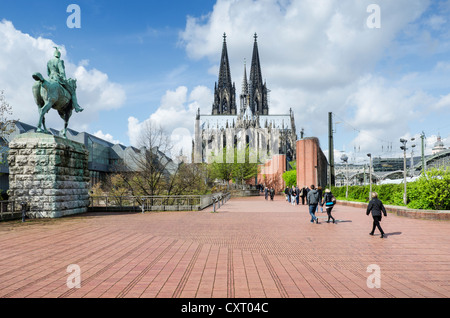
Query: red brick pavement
{"x": 251, "y": 248}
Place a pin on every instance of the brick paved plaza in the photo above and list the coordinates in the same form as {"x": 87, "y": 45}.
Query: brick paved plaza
{"x": 251, "y": 248}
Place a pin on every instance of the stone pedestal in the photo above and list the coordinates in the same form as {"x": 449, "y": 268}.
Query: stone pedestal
{"x": 50, "y": 174}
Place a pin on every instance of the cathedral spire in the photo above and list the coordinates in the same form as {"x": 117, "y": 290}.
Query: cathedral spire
{"x": 225, "y": 100}
{"x": 258, "y": 90}
{"x": 245, "y": 96}
{"x": 244, "y": 80}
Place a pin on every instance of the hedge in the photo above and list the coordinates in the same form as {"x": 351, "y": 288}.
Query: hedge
{"x": 431, "y": 192}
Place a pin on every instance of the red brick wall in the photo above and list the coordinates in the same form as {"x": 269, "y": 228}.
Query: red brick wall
{"x": 311, "y": 163}
{"x": 271, "y": 173}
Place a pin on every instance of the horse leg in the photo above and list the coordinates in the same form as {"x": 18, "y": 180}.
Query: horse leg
{"x": 65, "y": 115}
{"x": 44, "y": 110}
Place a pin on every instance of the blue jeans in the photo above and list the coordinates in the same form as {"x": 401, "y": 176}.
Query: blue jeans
{"x": 312, "y": 211}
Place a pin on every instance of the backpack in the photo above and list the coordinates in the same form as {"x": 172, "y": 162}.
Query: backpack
{"x": 331, "y": 198}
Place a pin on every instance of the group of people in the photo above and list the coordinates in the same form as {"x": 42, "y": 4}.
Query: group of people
{"x": 269, "y": 193}
{"x": 315, "y": 198}
{"x": 294, "y": 194}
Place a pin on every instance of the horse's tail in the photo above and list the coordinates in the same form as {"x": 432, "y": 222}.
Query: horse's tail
{"x": 37, "y": 94}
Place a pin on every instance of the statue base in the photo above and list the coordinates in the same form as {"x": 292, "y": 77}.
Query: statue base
{"x": 50, "y": 174}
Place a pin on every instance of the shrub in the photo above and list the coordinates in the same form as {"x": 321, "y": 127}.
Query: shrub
{"x": 430, "y": 191}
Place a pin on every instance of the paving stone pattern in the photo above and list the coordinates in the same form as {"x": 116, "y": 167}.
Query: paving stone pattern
{"x": 250, "y": 248}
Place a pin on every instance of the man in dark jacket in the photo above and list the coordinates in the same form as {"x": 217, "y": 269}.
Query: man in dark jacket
{"x": 313, "y": 200}
{"x": 377, "y": 207}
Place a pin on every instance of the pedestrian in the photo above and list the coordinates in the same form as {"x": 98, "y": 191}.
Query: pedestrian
{"x": 319, "y": 189}
{"x": 286, "y": 192}
{"x": 272, "y": 193}
{"x": 293, "y": 195}
{"x": 297, "y": 192}
{"x": 313, "y": 199}
{"x": 329, "y": 204}
{"x": 304, "y": 193}
{"x": 376, "y": 207}
{"x": 266, "y": 192}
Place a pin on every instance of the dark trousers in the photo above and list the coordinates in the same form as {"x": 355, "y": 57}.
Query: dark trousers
{"x": 376, "y": 224}
{"x": 329, "y": 213}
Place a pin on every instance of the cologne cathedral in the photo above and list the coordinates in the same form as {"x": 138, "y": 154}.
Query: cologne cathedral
{"x": 252, "y": 125}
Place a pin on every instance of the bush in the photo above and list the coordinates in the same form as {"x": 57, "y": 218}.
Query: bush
{"x": 430, "y": 191}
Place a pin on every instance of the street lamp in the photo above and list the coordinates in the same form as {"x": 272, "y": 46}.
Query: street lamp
{"x": 404, "y": 141}
{"x": 411, "y": 168}
{"x": 345, "y": 159}
{"x": 370, "y": 175}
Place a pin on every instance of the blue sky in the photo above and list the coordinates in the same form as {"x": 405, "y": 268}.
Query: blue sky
{"x": 139, "y": 61}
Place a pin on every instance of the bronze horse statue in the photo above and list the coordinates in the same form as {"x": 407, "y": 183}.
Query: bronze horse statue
{"x": 57, "y": 92}
{"x": 51, "y": 94}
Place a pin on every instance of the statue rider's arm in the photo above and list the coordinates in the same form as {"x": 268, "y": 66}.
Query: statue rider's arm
{"x": 62, "y": 69}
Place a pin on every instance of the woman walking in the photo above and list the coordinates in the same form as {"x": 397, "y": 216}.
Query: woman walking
{"x": 329, "y": 204}
{"x": 376, "y": 207}
{"x": 293, "y": 195}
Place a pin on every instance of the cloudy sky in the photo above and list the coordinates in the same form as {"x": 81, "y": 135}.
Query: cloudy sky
{"x": 381, "y": 67}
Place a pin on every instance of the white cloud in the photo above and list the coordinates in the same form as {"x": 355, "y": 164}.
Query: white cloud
{"x": 107, "y": 137}
{"x": 318, "y": 57}
{"x": 21, "y": 55}
{"x": 176, "y": 114}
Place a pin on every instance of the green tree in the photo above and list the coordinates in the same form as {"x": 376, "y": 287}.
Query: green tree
{"x": 239, "y": 169}
{"x": 290, "y": 177}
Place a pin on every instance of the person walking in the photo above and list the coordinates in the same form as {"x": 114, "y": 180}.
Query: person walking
{"x": 376, "y": 207}
{"x": 312, "y": 200}
{"x": 286, "y": 192}
{"x": 266, "y": 192}
{"x": 304, "y": 194}
{"x": 329, "y": 204}
{"x": 293, "y": 195}
{"x": 319, "y": 190}
{"x": 272, "y": 193}
{"x": 297, "y": 191}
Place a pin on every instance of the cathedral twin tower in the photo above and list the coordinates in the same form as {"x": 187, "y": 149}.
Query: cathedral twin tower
{"x": 254, "y": 91}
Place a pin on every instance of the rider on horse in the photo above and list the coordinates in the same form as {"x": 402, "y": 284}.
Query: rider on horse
{"x": 57, "y": 72}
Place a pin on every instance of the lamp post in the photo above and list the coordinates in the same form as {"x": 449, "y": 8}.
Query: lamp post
{"x": 404, "y": 141}
{"x": 370, "y": 175}
{"x": 345, "y": 159}
{"x": 411, "y": 168}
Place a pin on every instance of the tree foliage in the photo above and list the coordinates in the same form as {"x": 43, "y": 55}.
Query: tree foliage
{"x": 290, "y": 177}
{"x": 239, "y": 169}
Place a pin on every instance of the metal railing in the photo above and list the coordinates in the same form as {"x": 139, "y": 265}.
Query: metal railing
{"x": 10, "y": 210}
{"x": 153, "y": 203}
{"x": 219, "y": 200}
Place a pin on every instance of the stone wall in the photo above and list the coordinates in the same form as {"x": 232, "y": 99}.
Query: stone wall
{"x": 50, "y": 174}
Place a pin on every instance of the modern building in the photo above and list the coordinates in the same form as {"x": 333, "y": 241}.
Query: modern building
{"x": 104, "y": 157}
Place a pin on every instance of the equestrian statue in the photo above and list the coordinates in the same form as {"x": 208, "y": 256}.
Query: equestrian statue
{"x": 57, "y": 92}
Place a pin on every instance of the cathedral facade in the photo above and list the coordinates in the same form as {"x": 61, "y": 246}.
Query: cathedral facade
{"x": 252, "y": 125}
